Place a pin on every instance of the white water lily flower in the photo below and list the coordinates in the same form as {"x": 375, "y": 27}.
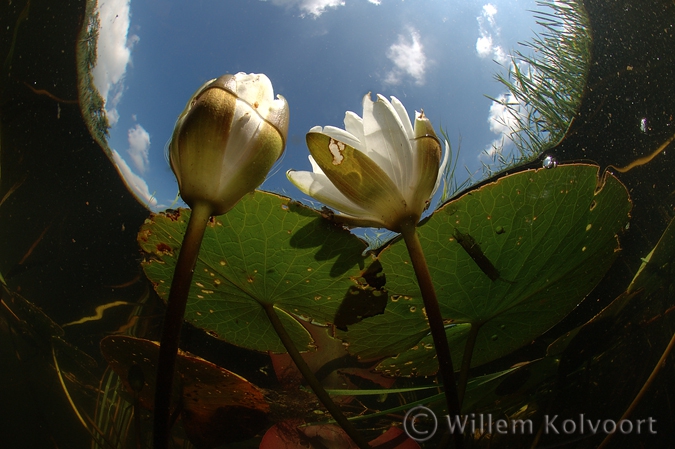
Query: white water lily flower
{"x": 226, "y": 140}
{"x": 379, "y": 171}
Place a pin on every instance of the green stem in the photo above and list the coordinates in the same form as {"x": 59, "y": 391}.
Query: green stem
{"x": 466, "y": 361}
{"x": 659, "y": 365}
{"x": 173, "y": 321}
{"x": 311, "y": 379}
{"x": 433, "y": 311}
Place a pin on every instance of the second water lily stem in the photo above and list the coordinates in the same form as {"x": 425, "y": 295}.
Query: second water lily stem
{"x": 466, "y": 361}
{"x": 173, "y": 321}
{"x": 433, "y": 311}
{"x": 311, "y": 379}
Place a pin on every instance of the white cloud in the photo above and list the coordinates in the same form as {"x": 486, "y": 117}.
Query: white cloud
{"x": 113, "y": 53}
{"x": 409, "y": 59}
{"x": 503, "y": 121}
{"x": 484, "y": 46}
{"x": 489, "y": 33}
{"x": 139, "y": 147}
{"x": 489, "y": 13}
{"x": 312, "y": 7}
{"x": 136, "y": 183}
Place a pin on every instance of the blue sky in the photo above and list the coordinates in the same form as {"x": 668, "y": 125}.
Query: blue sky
{"x": 321, "y": 55}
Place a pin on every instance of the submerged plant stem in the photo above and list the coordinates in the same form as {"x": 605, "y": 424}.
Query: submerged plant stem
{"x": 659, "y": 365}
{"x": 433, "y": 310}
{"x": 311, "y": 379}
{"x": 173, "y": 321}
{"x": 466, "y": 362}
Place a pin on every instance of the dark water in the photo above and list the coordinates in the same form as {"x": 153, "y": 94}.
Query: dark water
{"x": 68, "y": 229}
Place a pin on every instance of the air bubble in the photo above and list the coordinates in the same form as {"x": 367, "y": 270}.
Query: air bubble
{"x": 549, "y": 162}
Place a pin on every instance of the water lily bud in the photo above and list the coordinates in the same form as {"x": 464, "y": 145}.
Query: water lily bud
{"x": 379, "y": 171}
{"x": 226, "y": 140}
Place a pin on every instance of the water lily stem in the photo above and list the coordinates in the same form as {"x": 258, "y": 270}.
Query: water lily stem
{"x": 311, "y": 379}
{"x": 433, "y": 311}
{"x": 466, "y": 361}
{"x": 173, "y": 321}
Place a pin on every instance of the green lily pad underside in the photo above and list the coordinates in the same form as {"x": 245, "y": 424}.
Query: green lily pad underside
{"x": 268, "y": 250}
{"x": 543, "y": 240}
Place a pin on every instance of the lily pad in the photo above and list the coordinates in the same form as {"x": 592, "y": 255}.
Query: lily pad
{"x": 512, "y": 258}
{"x": 217, "y": 405}
{"x": 268, "y": 250}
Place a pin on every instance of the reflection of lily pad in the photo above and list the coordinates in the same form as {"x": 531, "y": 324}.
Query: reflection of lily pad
{"x": 217, "y": 405}
{"x": 267, "y": 250}
{"x": 548, "y": 237}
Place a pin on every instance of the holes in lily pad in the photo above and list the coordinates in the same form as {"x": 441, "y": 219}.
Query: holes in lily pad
{"x": 395, "y": 298}
{"x": 223, "y": 263}
{"x": 588, "y": 227}
{"x": 284, "y": 206}
{"x": 317, "y": 297}
{"x": 413, "y": 309}
{"x": 593, "y": 204}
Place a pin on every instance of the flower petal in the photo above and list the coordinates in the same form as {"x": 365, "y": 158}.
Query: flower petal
{"x": 343, "y": 136}
{"x": 319, "y": 187}
{"x": 315, "y": 166}
{"x": 441, "y": 169}
{"x": 354, "y": 126}
{"x": 386, "y": 140}
{"x": 403, "y": 116}
{"x": 358, "y": 178}
{"x": 427, "y": 161}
